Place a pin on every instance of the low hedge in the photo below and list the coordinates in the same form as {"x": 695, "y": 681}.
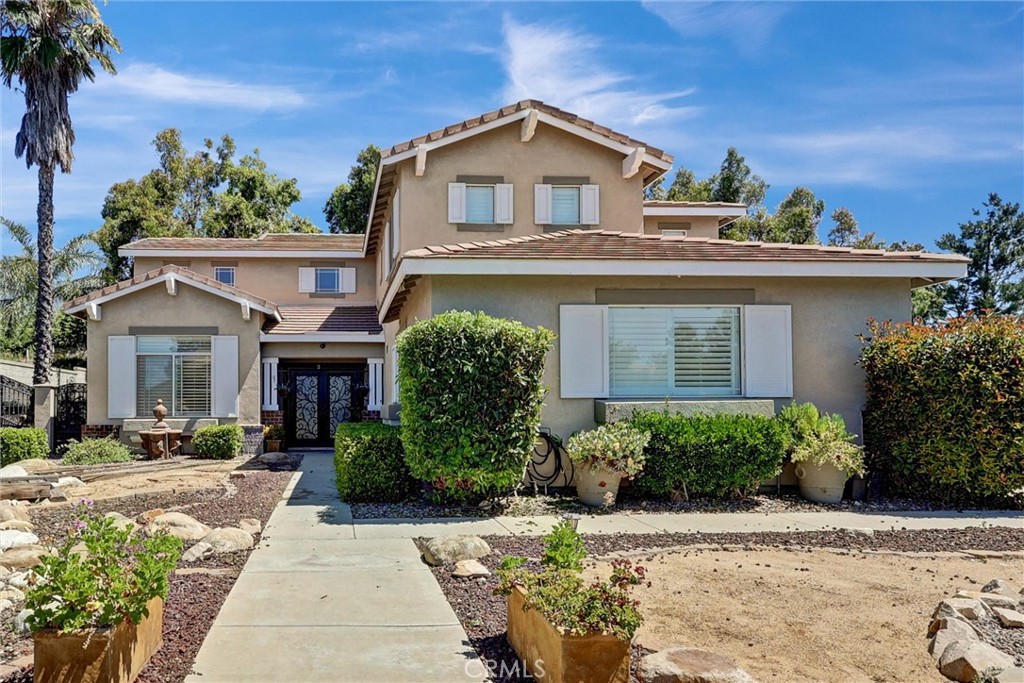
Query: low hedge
{"x": 95, "y": 451}
{"x": 944, "y": 417}
{"x": 22, "y": 443}
{"x": 218, "y": 442}
{"x": 709, "y": 456}
{"x": 369, "y": 463}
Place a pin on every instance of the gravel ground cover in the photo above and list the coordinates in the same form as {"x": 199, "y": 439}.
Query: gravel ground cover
{"x": 483, "y": 616}
{"x": 561, "y": 501}
{"x": 197, "y": 590}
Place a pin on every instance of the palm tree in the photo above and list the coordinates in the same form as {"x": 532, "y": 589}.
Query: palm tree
{"x": 76, "y": 269}
{"x": 49, "y": 46}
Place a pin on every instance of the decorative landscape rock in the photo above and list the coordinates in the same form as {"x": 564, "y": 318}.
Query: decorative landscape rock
{"x": 990, "y": 599}
{"x": 70, "y": 481}
{"x": 274, "y": 458}
{"x": 1012, "y": 675}
{"x": 14, "y": 539}
{"x": 13, "y": 512}
{"x": 964, "y": 660}
{"x": 688, "y": 665}
{"x": 22, "y": 557}
{"x": 451, "y": 549}
{"x": 6, "y": 605}
{"x": 200, "y": 551}
{"x": 122, "y": 522}
{"x": 12, "y": 594}
{"x": 967, "y": 607}
{"x": 180, "y": 525}
{"x": 16, "y": 525}
{"x": 953, "y": 631}
{"x": 18, "y": 580}
{"x": 470, "y": 569}
{"x": 11, "y": 471}
{"x": 228, "y": 540}
{"x": 21, "y": 622}
{"x": 1008, "y": 617}
{"x": 250, "y": 525}
{"x": 863, "y": 532}
{"x": 148, "y": 516}
{"x": 1000, "y": 587}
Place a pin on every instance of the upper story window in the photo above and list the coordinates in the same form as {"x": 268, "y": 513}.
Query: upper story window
{"x": 327, "y": 280}
{"x": 225, "y": 275}
{"x": 567, "y": 201}
{"x": 480, "y": 201}
{"x": 176, "y": 370}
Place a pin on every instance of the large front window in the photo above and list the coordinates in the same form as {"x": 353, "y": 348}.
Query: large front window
{"x": 663, "y": 351}
{"x": 175, "y": 370}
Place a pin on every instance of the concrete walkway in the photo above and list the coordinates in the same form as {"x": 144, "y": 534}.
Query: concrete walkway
{"x": 325, "y": 598}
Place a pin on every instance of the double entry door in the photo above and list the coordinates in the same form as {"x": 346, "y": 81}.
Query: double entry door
{"x": 319, "y": 398}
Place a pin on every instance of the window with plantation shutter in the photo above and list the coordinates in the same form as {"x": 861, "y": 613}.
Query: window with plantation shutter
{"x": 674, "y": 351}
{"x": 176, "y": 370}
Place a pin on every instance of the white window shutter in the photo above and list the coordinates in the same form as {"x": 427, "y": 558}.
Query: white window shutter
{"x": 590, "y": 205}
{"x": 456, "y": 202}
{"x": 542, "y": 204}
{"x": 347, "y": 280}
{"x": 583, "y": 351}
{"x": 768, "y": 351}
{"x": 121, "y": 376}
{"x": 225, "y": 376}
{"x": 307, "y": 279}
{"x": 503, "y": 203}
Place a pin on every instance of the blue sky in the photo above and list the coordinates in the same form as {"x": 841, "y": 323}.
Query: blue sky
{"x": 907, "y": 113}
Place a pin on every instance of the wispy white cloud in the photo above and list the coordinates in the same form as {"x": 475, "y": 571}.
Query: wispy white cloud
{"x": 151, "y": 82}
{"x": 564, "y": 67}
{"x": 747, "y": 24}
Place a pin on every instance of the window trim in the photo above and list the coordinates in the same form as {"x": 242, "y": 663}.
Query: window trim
{"x": 217, "y": 270}
{"x": 740, "y": 357}
{"x": 172, "y": 407}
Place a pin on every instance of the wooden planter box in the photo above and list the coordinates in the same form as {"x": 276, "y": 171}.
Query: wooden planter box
{"x": 115, "y": 654}
{"x": 554, "y": 657}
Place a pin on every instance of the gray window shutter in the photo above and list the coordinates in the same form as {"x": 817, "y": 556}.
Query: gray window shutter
{"x": 121, "y": 376}
{"x": 768, "y": 351}
{"x": 225, "y": 376}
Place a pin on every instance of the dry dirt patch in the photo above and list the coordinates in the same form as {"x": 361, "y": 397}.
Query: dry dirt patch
{"x": 808, "y": 616}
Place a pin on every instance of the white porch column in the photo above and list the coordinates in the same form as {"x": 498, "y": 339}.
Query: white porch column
{"x": 375, "y": 398}
{"x": 269, "y": 385}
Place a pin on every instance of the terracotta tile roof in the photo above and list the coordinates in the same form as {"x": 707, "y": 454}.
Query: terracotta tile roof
{"x": 270, "y": 241}
{"x": 178, "y": 270}
{"x": 518, "y": 107}
{"x": 667, "y": 204}
{"x": 608, "y": 244}
{"x": 316, "y": 319}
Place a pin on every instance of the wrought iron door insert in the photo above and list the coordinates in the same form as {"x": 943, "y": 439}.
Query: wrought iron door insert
{"x": 319, "y": 399}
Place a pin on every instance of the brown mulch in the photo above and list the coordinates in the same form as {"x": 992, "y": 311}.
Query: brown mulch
{"x": 483, "y": 614}
{"x": 194, "y": 599}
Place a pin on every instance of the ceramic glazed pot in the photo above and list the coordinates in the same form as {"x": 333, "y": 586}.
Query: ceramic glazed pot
{"x": 597, "y": 488}
{"x": 821, "y": 483}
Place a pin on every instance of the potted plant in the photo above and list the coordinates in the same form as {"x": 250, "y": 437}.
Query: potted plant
{"x": 272, "y": 436}
{"x": 603, "y": 456}
{"x": 97, "y": 615}
{"x": 825, "y": 455}
{"x": 566, "y": 629}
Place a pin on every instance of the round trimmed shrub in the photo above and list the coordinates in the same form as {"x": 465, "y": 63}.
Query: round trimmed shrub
{"x": 944, "y": 417}
{"x": 218, "y": 442}
{"x": 22, "y": 443}
{"x": 96, "y": 451}
{"x": 471, "y": 395}
{"x": 369, "y": 463}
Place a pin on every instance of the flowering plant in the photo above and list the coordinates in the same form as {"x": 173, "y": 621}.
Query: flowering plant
{"x": 273, "y": 432}
{"x": 828, "y": 443}
{"x": 108, "y": 583}
{"x": 618, "y": 447}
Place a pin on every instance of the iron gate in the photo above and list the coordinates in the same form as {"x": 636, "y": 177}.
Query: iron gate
{"x": 16, "y": 404}
{"x": 71, "y": 413}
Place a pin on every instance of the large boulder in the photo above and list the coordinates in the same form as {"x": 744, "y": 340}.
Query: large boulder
{"x": 14, "y": 539}
{"x": 228, "y": 540}
{"x": 451, "y": 549}
{"x": 688, "y": 665}
{"x": 178, "y": 524}
{"x": 23, "y": 557}
{"x": 964, "y": 660}
{"x": 953, "y": 631}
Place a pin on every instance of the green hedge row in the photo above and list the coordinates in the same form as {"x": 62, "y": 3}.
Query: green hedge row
{"x": 709, "y": 456}
{"x": 369, "y": 463}
{"x": 22, "y": 443}
{"x": 944, "y": 417}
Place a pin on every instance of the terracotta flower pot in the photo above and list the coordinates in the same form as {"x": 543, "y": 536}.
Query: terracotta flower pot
{"x": 273, "y": 445}
{"x": 597, "y": 488}
{"x": 554, "y": 657}
{"x": 821, "y": 483}
{"x": 114, "y": 654}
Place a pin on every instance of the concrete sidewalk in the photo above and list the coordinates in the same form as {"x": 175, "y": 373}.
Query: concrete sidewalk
{"x": 315, "y": 604}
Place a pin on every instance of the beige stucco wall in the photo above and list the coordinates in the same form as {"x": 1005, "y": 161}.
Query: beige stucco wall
{"x": 334, "y": 352}
{"x": 276, "y": 279}
{"x": 191, "y": 307}
{"x": 828, "y": 314}
{"x": 699, "y": 226}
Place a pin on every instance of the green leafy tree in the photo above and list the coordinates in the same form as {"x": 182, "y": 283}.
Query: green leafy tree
{"x": 202, "y": 194}
{"x": 995, "y": 245}
{"x": 735, "y": 182}
{"x": 348, "y": 208}
{"x": 49, "y": 47}
{"x": 75, "y": 271}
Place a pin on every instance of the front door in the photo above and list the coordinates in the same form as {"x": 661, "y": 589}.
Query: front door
{"x": 319, "y": 398}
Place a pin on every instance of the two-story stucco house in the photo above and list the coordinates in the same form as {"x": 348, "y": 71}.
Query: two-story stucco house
{"x": 529, "y": 213}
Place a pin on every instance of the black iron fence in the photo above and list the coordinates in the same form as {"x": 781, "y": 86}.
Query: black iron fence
{"x": 16, "y": 404}
{"x": 70, "y": 413}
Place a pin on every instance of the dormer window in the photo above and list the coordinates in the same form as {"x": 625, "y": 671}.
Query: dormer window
{"x": 565, "y": 201}
{"x": 480, "y": 203}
